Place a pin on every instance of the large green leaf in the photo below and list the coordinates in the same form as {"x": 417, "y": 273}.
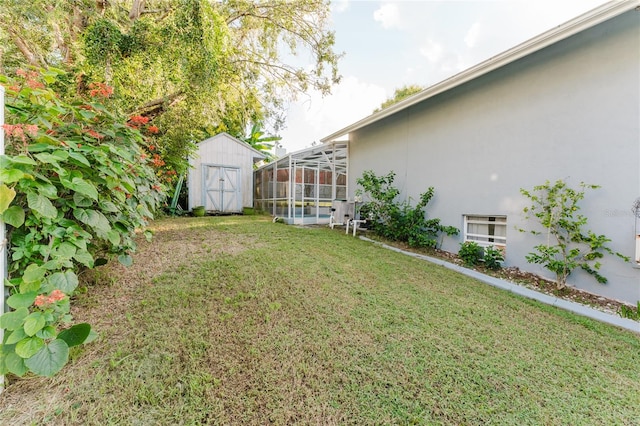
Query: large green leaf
{"x": 84, "y": 257}
{"x": 49, "y": 359}
{"x": 20, "y": 300}
{"x": 22, "y": 159}
{"x": 64, "y": 281}
{"x": 26, "y": 348}
{"x": 83, "y": 187}
{"x": 48, "y": 332}
{"x": 94, "y": 219}
{"x": 125, "y": 259}
{"x": 48, "y": 190}
{"x": 114, "y": 237}
{"x": 52, "y": 158}
{"x": 65, "y": 250}
{"x": 6, "y": 197}
{"x": 82, "y": 201}
{"x": 80, "y": 158}
{"x": 108, "y": 206}
{"x": 33, "y": 273}
{"x": 13, "y": 320}
{"x": 75, "y": 335}
{"x": 15, "y": 364}
{"x": 15, "y": 336}
{"x": 11, "y": 175}
{"x": 42, "y": 205}
{"x": 14, "y": 216}
{"x": 34, "y": 323}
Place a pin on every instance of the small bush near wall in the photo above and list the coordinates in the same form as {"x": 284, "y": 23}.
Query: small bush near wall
{"x": 472, "y": 254}
{"x": 399, "y": 221}
{"x": 569, "y": 245}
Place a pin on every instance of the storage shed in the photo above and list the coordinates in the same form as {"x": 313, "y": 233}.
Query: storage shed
{"x": 221, "y": 174}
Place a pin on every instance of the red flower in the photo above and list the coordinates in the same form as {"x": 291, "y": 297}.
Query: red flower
{"x": 55, "y": 296}
{"x": 32, "y": 129}
{"x": 34, "y": 84}
{"x": 153, "y": 129}
{"x": 94, "y": 134}
{"x": 100, "y": 89}
{"x": 40, "y": 300}
{"x": 138, "y": 119}
{"x": 157, "y": 161}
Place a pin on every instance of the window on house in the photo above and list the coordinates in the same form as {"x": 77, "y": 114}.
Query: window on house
{"x": 486, "y": 230}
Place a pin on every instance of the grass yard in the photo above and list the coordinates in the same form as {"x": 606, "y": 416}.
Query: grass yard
{"x": 236, "y": 320}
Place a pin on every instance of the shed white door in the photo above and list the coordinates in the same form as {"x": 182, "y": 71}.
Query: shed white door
{"x": 221, "y": 189}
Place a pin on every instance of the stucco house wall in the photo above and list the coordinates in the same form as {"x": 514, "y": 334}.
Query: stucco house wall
{"x": 569, "y": 111}
{"x": 226, "y": 151}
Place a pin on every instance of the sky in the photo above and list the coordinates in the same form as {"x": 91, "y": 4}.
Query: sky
{"x": 391, "y": 44}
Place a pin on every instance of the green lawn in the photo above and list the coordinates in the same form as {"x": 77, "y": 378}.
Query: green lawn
{"x": 236, "y": 320}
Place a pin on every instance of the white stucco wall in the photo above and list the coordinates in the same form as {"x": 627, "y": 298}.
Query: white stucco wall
{"x": 570, "y": 111}
{"x": 222, "y": 150}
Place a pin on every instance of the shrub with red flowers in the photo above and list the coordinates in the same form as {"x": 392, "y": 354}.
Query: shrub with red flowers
{"x": 73, "y": 192}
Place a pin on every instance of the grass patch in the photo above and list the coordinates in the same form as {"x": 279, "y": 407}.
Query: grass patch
{"x": 236, "y": 320}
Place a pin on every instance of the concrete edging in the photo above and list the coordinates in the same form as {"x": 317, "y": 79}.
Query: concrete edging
{"x": 574, "y": 307}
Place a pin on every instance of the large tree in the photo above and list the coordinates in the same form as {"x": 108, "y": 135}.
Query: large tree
{"x": 194, "y": 67}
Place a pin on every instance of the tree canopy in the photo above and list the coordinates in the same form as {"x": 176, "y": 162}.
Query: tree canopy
{"x": 193, "y": 67}
{"x": 400, "y": 94}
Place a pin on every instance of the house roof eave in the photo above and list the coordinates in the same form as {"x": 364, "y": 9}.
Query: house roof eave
{"x": 578, "y": 24}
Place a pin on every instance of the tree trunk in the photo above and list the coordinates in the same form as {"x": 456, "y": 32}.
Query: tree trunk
{"x": 136, "y": 9}
{"x": 31, "y": 57}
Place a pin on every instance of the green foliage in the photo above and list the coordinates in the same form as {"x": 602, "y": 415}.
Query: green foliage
{"x": 399, "y": 221}
{"x": 400, "y": 94}
{"x": 569, "y": 246}
{"x": 194, "y": 67}
{"x": 493, "y": 258}
{"x": 76, "y": 185}
{"x": 260, "y": 141}
{"x": 630, "y": 312}
{"x": 471, "y": 253}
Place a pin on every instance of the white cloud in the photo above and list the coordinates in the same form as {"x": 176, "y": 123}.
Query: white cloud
{"x": 471, "y": 39}
{"x": 388, "y": 15}
{"x": 431, "y": 50}
{"x": 339, "y": 6}
{"x": 315, "y": 117}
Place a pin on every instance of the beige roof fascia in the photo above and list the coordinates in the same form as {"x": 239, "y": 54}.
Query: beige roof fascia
{"x": 580, "y": 23}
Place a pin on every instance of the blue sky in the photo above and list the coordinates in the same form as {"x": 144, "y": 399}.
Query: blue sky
{"x": 389, "y": 44}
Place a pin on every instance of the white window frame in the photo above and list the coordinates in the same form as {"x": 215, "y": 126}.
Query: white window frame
{"x": 483, "y": 239}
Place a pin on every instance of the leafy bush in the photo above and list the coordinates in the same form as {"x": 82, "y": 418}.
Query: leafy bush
{"x": 569, "y": 246}
{"x": 399, "y": 221}
{"x": 630, "y": 312}
{"x": 77, "y": 182}
{"x": 471, "y": 253}
{"x": 493, "y": 258}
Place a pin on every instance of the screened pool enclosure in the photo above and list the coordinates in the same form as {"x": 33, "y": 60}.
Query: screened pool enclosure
{"x": 300, "y": 187}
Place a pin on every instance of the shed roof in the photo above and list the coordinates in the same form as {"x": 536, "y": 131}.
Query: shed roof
{"x": 576, "y": 25}
{"x": 257, "y": 154}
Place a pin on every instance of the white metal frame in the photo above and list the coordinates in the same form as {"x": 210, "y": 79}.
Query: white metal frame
{"x": 331, "y": 157}
{"x": 483, "y": 239}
